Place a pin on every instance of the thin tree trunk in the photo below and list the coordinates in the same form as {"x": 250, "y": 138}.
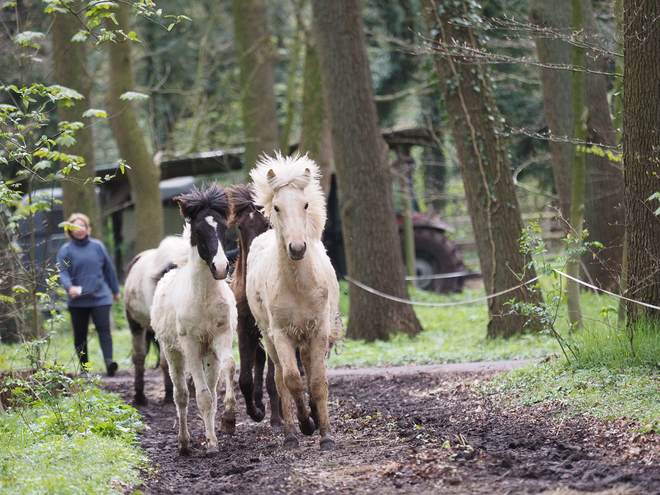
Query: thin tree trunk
{"x": 373, "y": 249}
{"x": 579, "y": 167}
{"x": 316, "y": 136}
{"x": 70, "y": 64}
{"x": 143, "y": 175}
{"x": 256, "y": 61}
{"x": 485, "y": 167}
{"x": 554, "y": 19}
{"x": 604, "y": 216}
{"x": 641, "y": 153}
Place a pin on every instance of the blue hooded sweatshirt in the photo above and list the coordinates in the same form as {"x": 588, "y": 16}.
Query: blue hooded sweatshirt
{"x": 86, "y": 263}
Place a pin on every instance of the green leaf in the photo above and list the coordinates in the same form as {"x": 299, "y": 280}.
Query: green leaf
{"x": 132, "y": 95}
{"x": 94, "y": 112}
{"x": 80, "y": 37}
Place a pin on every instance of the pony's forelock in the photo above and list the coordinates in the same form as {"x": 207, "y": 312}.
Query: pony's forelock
{"x": 290, "y": 171}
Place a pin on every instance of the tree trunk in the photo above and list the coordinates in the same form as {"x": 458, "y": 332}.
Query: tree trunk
{"x": 579, "y": 167}
{"x": 143, "y": 175}
{"x": 70, "y": 64}
{"x": 555, "y": 20}
{"x": 641, "y": 153}
{"x": 603, "y": 208}
{"x": 316, "y": 136}
{"x": 485, "y": 167}
{"x": 373, "y": 249}
{"x": 256, "y": 61}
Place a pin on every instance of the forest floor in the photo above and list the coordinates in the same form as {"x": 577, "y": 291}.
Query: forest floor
{"x": 403, "y": 430}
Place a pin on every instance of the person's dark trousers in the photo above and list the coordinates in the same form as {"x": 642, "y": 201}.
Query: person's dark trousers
{"x": 80, "y": 321}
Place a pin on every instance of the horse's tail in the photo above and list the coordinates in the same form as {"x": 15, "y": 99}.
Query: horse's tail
{"x": 172, "y": 250}
{"x": 336, "y": 328}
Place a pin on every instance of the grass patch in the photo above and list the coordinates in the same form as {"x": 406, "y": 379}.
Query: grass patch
{"x": 66, "y": 436}
{"x": 605, "y": 393}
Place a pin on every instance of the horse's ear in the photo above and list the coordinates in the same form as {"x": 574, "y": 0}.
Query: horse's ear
{"x": 181, "y": 201}
{"x": 270, "y": 176}
{"x": 306, "y": 178}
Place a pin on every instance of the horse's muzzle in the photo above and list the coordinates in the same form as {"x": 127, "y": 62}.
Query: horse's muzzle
{"x": 297, "y": 251}
{"x": 219, "y": 274}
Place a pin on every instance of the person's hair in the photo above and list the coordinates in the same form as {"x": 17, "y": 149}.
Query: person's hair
{"x": 73, "y": 218}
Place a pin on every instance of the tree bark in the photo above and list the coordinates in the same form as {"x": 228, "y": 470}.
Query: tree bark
{"x": 641, "y": 153}
{"x": 143, "y": 175}
{"x": 316, "y": 136}
{"x": 485, "y": 167}
{"x": 256, "y": 61}
{"x": 604, "y": 215}
{"x": 555, "y": 20}
{"x": 70, "y": 64}
{"x": 373, "y": 249}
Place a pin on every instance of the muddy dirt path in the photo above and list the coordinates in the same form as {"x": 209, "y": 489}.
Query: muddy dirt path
{"x": 413, "y": 430}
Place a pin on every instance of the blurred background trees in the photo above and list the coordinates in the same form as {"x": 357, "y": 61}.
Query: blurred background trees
{"x": 242, "y": 74}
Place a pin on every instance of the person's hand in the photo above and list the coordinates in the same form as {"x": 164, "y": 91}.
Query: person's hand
{"x": 74, "y": 291}
{"x": 117, "y": 296}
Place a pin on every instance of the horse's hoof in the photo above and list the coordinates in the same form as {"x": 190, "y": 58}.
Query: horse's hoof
{"x": 228, "y": 426}
{"x": 211, "y": 449}
{"x": 307, "y": 428}
{"x": 328, "y": 444}
{"x": 291, "y": 442}
{"x": 184, "y": 450}
{"x": 257, "y": 415}
{"x": 141, "y": 399}
{"x": 276, "y": 426}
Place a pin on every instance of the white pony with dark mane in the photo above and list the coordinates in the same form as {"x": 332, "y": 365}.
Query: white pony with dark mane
{"x": 292, "y": 288}
{"x": 194, "y": 315}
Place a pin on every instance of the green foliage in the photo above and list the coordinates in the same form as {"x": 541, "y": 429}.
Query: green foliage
{"x": 451, "y": 334}
{"x": 64, "y": 435}
{"x": 601, "y": 392}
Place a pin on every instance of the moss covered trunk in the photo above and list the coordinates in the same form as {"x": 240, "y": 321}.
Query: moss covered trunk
{"x": 143, "y": 175}
{"x": 484, "y": 163}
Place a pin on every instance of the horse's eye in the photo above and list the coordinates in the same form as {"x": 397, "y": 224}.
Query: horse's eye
{"x": 277, "y": 210}
{"x": 239, "y": 227}
{"x": 306, "y": 205}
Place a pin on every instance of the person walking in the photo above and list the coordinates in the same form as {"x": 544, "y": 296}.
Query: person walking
{"x": 88, "y": 276}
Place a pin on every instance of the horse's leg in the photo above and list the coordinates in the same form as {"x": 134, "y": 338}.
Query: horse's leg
{"x": 318, "y": 388}
{"x": 275, "y": 403}
{"x": 246, "y": 349}
{"x": 199, "y": 358}
{"x": 286, "y": 350}
{"x": 175, "y": 360}
{"x": 259, "y": 365}
{"x": 290, "y": 439}
{"x": 138, "y": 333}
{"x": 167, "y": 380}
{"x": 228, "y": 370}
{"x": 306, "y": 362}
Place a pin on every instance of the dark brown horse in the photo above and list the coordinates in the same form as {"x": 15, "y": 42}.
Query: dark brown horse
{"x": 251, "y": 223}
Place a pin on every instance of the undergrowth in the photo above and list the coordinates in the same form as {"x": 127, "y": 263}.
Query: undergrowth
{"x": 64, "y": 435}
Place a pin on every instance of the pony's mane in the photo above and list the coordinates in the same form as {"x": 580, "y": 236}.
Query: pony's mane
{"x": 214, "y": 197}
{"x": 290, "y": 171}
{"x": 240, "y": 197}
{"x": 173, "y": 249}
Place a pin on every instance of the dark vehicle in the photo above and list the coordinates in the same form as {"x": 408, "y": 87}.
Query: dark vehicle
{"x": 435, "y": 254}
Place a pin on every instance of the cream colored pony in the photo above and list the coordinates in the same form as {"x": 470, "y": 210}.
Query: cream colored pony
{"x": 292, "y": 288}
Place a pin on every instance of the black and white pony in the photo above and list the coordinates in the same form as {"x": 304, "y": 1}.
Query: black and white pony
{"x": 194, "y": 315}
